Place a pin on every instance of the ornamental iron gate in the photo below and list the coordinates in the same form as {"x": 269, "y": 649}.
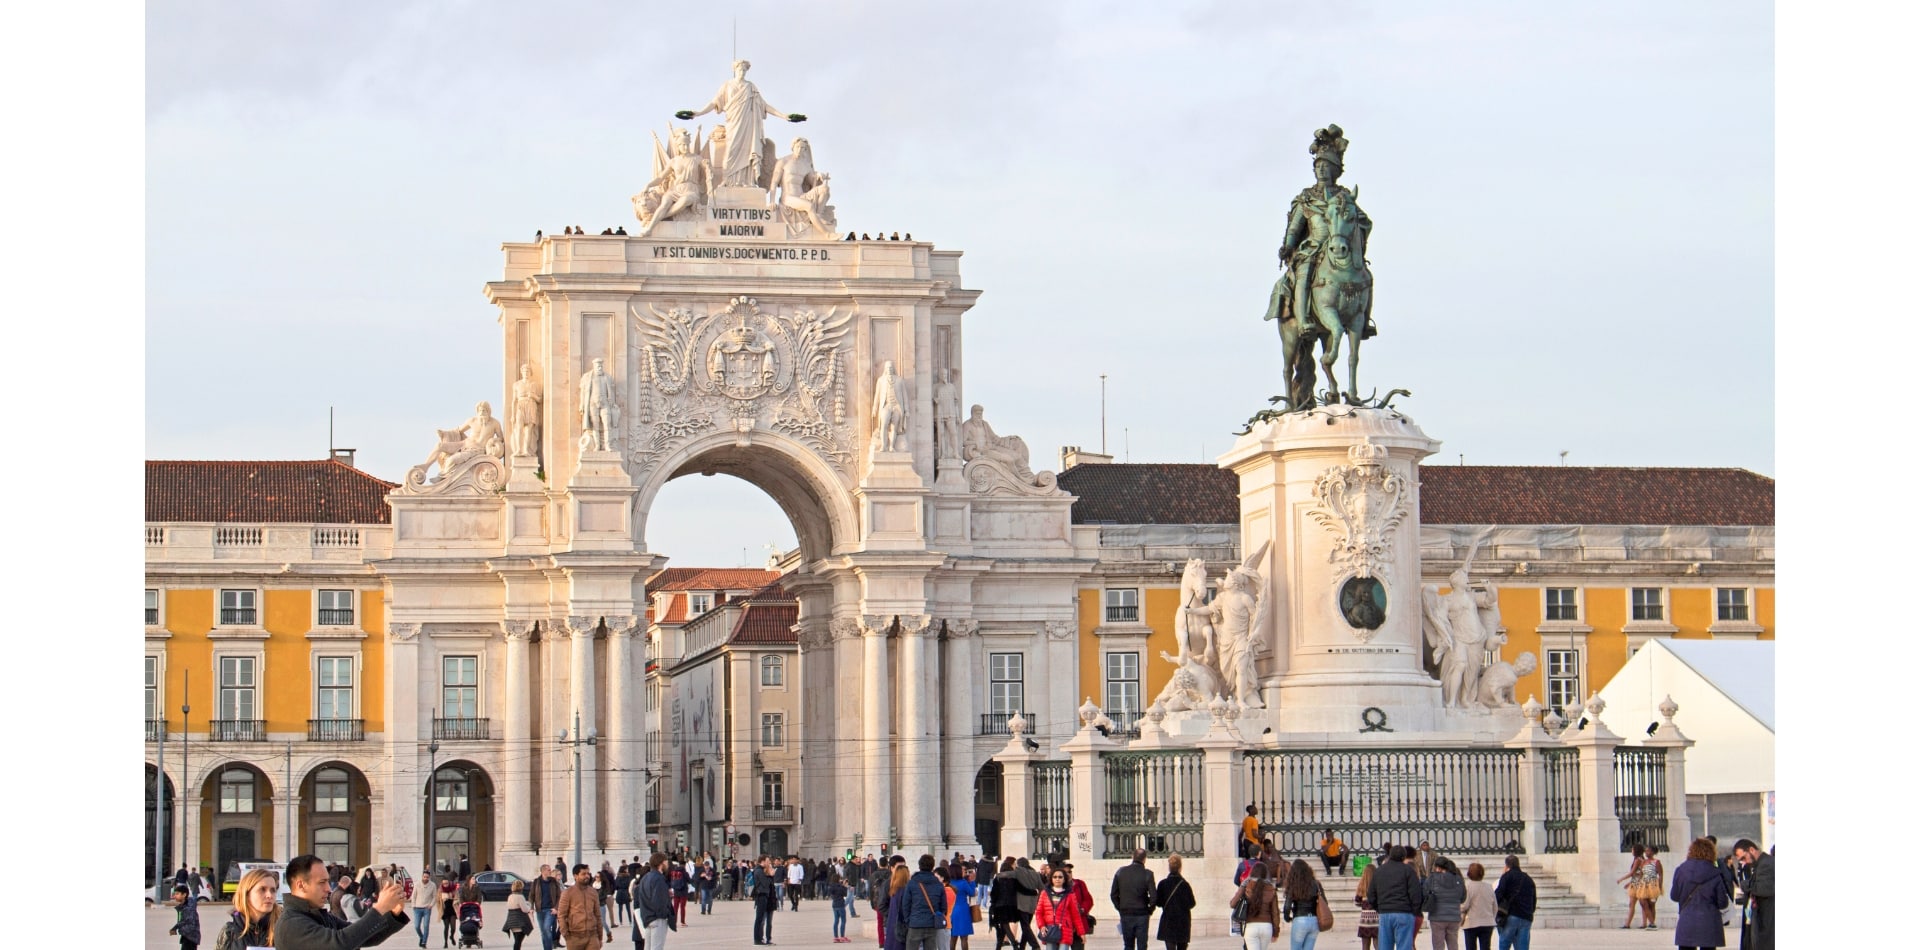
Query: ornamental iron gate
{"x": 1563, "y": 800}
{"x": 1640, "y": 796}
{"x": 1464, "y": 801}
{"x": 1154, "y": 800}
{"x": 1051, "y": 810}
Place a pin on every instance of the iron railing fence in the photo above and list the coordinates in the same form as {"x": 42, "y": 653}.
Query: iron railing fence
{"x": 237, "y": 730}
{"x": 995, "y": 723}
{"x": 1154, "y": 800}
{"x": 336, "y": 730}
{"x": 1051, "y": 810}
{"x": 1462, "y": 800}
{"x": 1640, "y": 796}
{"x": 1563, "y": 800}
{"x": 460, "y": 728}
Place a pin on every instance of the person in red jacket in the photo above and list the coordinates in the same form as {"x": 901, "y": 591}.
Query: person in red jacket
{"x": 1060, "y": 907}
{"x": 1086, "y": 906}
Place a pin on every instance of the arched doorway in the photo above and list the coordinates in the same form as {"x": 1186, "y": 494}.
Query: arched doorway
{"x": 336, "y": 815}
{"x": 989, "y": 790}
{"x": 773, "y": 842}
{"x": 165, "y": 824}
{"x": 237, "y": 817}
{"x": 461, "y": 797}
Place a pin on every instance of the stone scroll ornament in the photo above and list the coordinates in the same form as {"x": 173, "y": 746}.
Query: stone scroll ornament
{"x": 469, "y": 457}
{"x": 1361, "y": 504}
{"x": 738, "y": 368}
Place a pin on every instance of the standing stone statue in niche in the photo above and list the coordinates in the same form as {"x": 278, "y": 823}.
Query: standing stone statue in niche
{"x": 946, "y": 416}
{"x": 740, "y": 101}
{"x": 889, "y": 411}
{"x": 599, "y": 409}
{"x": 526, "y": 413}
{"x": 1325, "y": 291}
{"x": 801, "y": 193}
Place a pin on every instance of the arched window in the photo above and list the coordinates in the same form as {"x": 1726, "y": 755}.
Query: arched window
{"x": 773, "y": 671}
{"x": 332, "y": 845}
{"x": 450, "y": 790}
{"x": 330, "y": 791}
{"x": 236, "y": 792}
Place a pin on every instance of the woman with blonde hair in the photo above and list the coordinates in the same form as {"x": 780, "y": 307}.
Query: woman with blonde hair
{"x": 1369, "y": 917}
{"x": 256, "y": 909}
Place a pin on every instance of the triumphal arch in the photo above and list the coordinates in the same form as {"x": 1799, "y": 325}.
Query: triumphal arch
{"x": 736, "y": 330}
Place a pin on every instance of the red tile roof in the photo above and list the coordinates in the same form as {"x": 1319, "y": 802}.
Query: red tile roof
{"x": 767, "y": 616}
{"x": 711, "y": 578}
{"x": 301, "y": 492}
{"x": 1187, "y": 493}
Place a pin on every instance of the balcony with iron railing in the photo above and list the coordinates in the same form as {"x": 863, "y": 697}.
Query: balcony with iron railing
{"x": 241, "y": 616}
{"x": 774, "y": 813}
{"x": 154, "y": 728}
{"x": 1126, "y": 724}
{"x": 995, "y": 723}
{"x": 1123, "y": 613}
{"x": 461, "y": 728}
{"x": 237, "y": 730}
{"x": 336, "y": 730}
{"x": 336, "y": 617}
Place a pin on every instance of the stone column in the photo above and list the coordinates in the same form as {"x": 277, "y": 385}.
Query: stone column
{"x": 406, "y": 749}
{"x": 742, "y": 775}
{"x": 580, "y": 632}
{"x": 875, "y": 729}
{"x": 516, "y": 787}
{"x": 624, "y": 754}
{"x": 1533, "y": 742}
{"x": 918, "y": 758}
{"x": 555, "y": 794}
{"x": 1226, "y": 785}
{"x": 1086, "y": 832}
{"x": 957, "y": 746}
{"x": 849, "y": 703}
{"x": 1669, "y": 737}
{"x": 1016, "y": 796}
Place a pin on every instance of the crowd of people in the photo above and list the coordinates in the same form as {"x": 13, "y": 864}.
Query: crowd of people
{"x": 937, "y": 904}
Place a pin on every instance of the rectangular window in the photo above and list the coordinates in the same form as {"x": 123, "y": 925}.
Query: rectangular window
{"x": 1562, "y": 604}
{"x": 330, "y": 791}
{"x": 773, "y": 671}
{"x": 1123, "y": 683}
{"x": 335, "y": 699}
{"x": 1563, "y": 678}
{"x": 773, "y": 789}
{"x": 237, "y": 700}
{"x": 1123, "y": 605}
{"x": 239, "y": 607}
{"x": 459, "y": 687}
{"x": 153, "y": 607}
{"x": 236, "y": 792}
{"x": 153, "y": 688}
{"x": 773, "y": 730}
{"x": 698, "y": 604}
{"x": 336, "y": 608}
{"x": 1007, "y": 688}
{"x": 331, "y": 845}
{"x": 1648, "y": 604}
{"x": 1730, "y": 603}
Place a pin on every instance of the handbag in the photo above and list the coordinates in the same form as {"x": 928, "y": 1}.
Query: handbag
{"x": 1050, "y": 934}
{"x": 1323, "y": 915}
{"x": 974, "y": 910}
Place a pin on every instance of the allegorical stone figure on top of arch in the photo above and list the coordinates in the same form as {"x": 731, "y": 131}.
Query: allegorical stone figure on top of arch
{"x": 745, "y": 164}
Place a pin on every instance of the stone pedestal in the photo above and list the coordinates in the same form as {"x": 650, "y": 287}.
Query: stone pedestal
{"x": 1333, "y": 495}
{"x": 1084, "y": 830}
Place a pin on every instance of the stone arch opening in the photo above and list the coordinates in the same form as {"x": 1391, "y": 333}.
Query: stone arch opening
{"x": 165, "y": 821}
{"x": 815, "y": 499}
{"x": 460, "y": 794}
{"x": 989, "y": 795}
{"x": 236, "y": 819}
{"x": 336, "y": 814}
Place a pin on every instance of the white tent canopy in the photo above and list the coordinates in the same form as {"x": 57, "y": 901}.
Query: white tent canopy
{"x": 1725, "y": 693}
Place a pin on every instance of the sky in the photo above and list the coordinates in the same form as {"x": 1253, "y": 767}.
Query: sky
{"x": 1573, "y": 210}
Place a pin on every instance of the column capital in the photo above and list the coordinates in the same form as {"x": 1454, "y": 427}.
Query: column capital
{"x": 960, "y": 628}
{"x": 623, "y": 626}
{"x": 816, "y": 634}
{"x": 915, "y": 625}
{"x": 402, "y": 632}
{"x": 845, "y": 628}
{"x": 876, "y": 625}
{"x": 1059, "y": 629}
{"x": 518, "y": 631}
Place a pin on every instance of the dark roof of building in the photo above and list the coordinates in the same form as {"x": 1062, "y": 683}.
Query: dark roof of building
{"x": 1188, "y": 493}
{"x": 1155, "y": 493}
{"x": 321, "y": 491}
{"x": 767, "y": 616}
{"x": 711, "y": 578}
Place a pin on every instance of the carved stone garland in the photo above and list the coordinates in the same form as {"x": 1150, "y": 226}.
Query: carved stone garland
{"x": 740, "y": 368}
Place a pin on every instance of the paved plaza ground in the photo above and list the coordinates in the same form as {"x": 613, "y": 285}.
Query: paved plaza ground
{"x": 731, "y": 925}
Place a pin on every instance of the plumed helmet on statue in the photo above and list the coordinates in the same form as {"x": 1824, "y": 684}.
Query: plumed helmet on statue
{"x": 1329, "y": 144}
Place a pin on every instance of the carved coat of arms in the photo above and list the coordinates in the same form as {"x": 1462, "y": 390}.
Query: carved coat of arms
{"x": 1361, "y": 503}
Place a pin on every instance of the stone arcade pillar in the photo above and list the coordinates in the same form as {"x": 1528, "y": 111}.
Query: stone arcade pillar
{"x": 406, "y": 750}
{"x": 622, "y": 749}
{"x": 956, "y": 747}
{"x": 582, "y": 686}
{"x": 876, "y": 741}
{"x": 848, "y": 756}
{"x": 514, "y": 782}
{"x": 1333, "y": 495}
{"x": 918, "y": 751}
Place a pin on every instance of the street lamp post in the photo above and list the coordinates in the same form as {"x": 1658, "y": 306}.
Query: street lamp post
{"x": 159, "y": 819}
{"x": 592, "y": 737}
{"x": 186, "y": 778}
{"x": 433, "y": 749}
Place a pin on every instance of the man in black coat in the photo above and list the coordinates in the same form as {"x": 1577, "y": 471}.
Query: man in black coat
{"x": 1514, "y": 895}
{"x": 1756, "y": 930}
{"x": 1396, "y": 894}
{"x": 305, "y": 925}
{"x": 1132, "y": 897}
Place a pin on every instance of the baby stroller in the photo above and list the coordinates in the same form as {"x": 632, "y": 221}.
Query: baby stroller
{"x": 469, "y": 917}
